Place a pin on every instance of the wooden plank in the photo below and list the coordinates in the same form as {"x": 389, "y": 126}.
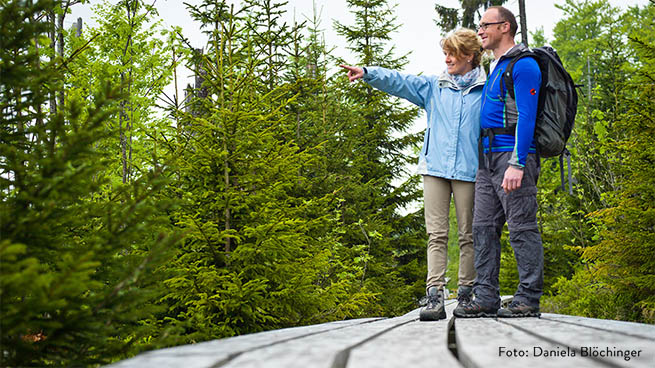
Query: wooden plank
{"x": 321, "y": 350}
{"x": 417, "y": 344}
{"x": 220, "y": 352}
{"x": 614, "y": 349}
{"x": 486, "y": 342}
{"x": 628, "y": 328}
{"x": 216, "y": 352}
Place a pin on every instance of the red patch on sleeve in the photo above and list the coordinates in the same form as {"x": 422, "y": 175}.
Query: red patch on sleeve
{"x": 533, "y": 91}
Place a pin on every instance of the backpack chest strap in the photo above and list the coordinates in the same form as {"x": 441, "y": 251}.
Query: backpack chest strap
{"x": 491, "y": 133}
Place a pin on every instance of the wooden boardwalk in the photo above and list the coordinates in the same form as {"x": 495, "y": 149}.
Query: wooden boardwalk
{"x": 550, "y": 341}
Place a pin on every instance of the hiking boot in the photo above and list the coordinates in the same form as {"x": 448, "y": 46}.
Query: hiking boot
{"x": 474, "y": 310}
{"x": 519, "y": 309}
{"x": 464, "y": 294}
{"x": 435, "y": 309}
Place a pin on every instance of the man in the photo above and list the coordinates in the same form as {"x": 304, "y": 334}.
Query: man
{"x": 506, "y": 190}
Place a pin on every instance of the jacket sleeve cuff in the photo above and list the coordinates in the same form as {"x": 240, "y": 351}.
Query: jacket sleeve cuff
{"x": 369, "y": 73}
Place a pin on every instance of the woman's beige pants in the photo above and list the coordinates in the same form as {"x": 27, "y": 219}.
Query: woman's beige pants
{"x": 437, "y": 193}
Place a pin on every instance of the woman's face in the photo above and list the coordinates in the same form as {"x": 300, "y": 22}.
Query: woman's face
{"x": 457, "y": 65}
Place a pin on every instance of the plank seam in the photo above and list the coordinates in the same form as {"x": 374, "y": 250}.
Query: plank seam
{"x": 555, "y": 342}
{"x": 451, "y": 338}
{"x": 341, "y": 359}
{"x": 461, "y": 356}
{"x": 600, "y": 329}
{"x": 233, "y": 356}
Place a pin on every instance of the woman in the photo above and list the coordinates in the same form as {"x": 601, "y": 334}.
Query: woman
{"x": 449, "y": 158}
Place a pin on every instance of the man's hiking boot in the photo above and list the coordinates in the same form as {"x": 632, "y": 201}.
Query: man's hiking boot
{"x": 515, "y": 310}
{"x": 474, "y": 310}
{"x": 464, "y": 294}
{"x": 435, "y": 309}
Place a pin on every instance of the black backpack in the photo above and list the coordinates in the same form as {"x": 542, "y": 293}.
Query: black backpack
{"x": 557, "y": 106}
{"x": 558, "y": 101}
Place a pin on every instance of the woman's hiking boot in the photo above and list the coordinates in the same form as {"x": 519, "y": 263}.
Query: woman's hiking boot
{"x": 435, "y": 309}
{"x": 520, "y": 309}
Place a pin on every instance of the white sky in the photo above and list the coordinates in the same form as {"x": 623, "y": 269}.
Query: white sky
{"x": 417, "y": 35}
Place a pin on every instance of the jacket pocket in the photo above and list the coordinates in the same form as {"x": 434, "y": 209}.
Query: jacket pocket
{"x": 427, "y": 141}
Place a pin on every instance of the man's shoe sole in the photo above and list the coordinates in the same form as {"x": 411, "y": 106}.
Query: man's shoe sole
{"x": 432, "y": 315}
{"x": 476, "y": 315}
{"x": 519, "y": 315}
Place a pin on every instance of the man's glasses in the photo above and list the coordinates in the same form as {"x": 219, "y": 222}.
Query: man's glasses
{"x": 484, "y": 26}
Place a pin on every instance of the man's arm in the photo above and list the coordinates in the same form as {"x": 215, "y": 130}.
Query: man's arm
{"x": 527, "y": 80}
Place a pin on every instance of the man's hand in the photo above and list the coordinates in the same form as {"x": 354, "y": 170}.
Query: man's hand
{"x": 512, "y": 179}
{"x": 354, "y": 73}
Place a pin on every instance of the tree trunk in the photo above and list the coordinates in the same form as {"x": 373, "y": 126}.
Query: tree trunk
{"x": 52, "y": 33}
{"x": 60, "y": 49}
{"x": 524, "y": 23}
{"x": 125, "y": 99}
{"x": 121, "y": 133}
{"x": 39, "y": 109}
{"x": 78, "y": 27}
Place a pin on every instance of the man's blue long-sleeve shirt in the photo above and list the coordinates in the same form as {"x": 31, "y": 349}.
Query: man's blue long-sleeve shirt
{"x": 497, "y": 112}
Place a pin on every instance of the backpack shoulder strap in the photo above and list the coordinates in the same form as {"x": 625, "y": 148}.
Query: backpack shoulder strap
{"x": 507, "y": 73}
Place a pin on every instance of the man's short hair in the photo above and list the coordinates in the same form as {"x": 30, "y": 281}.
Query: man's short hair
{"x": 505, "y": 15}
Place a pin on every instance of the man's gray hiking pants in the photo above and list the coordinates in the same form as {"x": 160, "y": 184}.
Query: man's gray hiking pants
{"x": 519, "y": 209}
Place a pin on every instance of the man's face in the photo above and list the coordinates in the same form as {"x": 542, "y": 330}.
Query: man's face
{"x": 490, "y": 29}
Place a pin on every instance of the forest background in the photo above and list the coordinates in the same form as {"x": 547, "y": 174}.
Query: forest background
{"x": 273, "y": 193}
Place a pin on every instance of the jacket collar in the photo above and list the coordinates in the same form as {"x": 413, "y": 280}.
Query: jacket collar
{"x": 515, "y": 50}
{"x": 447, "y": 81}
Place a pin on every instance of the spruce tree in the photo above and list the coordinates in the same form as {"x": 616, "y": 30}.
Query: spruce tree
{"x": 374, "y": 155}
{"x": 269, "y": 36}
{"x": 74, "y": 260}
{"x": 613, "y": 234}
{"x": 624, "y": 259}
{"x": 129, "y": 48}
{"x": 259, "y": 253}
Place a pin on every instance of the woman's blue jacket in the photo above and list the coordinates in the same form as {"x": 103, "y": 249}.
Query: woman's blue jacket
{"x": 450, "y": 145}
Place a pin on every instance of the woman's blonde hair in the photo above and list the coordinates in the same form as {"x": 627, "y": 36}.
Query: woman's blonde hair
{"x": 464, "y": 42}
